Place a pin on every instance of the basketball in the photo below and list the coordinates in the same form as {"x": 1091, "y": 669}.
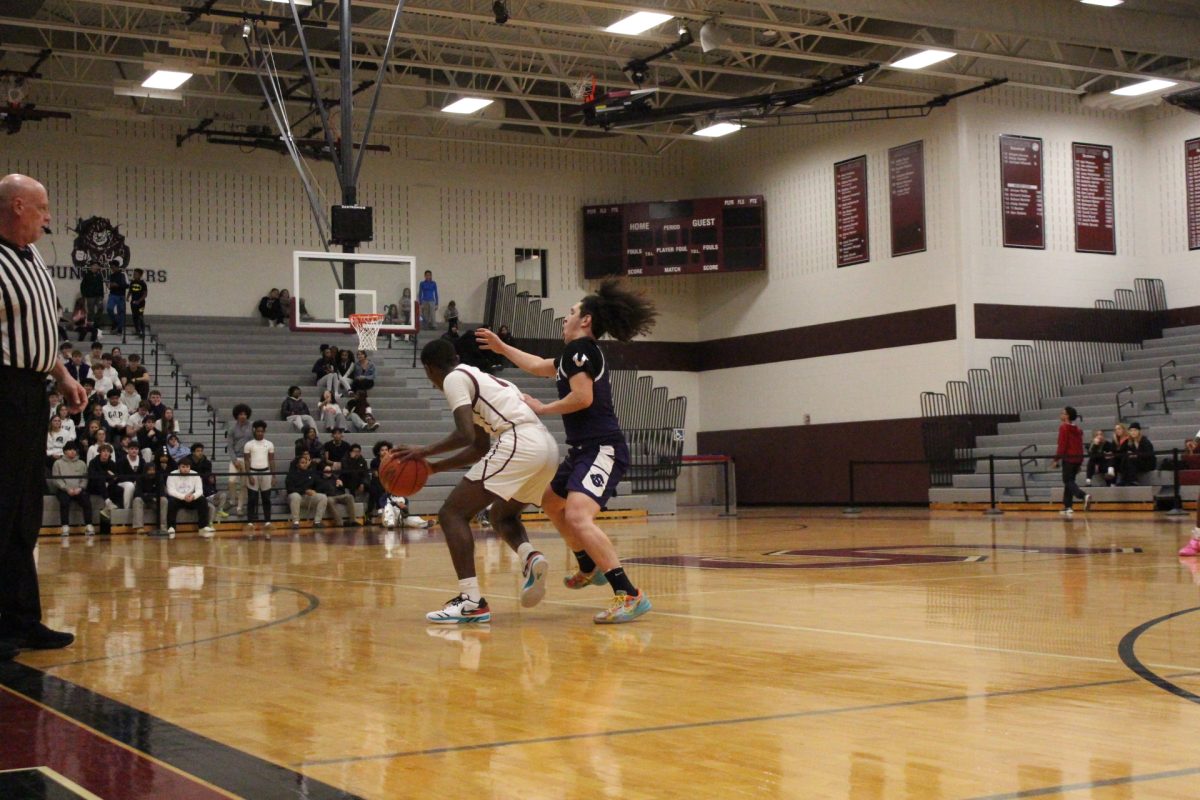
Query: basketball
{"x": 403, "y": 477}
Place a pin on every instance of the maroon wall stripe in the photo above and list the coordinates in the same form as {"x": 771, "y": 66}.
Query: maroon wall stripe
{"x": 810, "y": 463}
{"x": 993, "y": 321}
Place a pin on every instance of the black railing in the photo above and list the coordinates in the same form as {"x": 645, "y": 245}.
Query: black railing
{"x": 1025, "y": 461}
{"x": 190, "y": 391}
{"x": 1162, "y": 383}
{"x": 654, "y": 458}
{"x": 1121, "y": 405}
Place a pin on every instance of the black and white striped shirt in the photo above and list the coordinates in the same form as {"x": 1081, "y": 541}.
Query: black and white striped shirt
{"x": 28, "y": 310}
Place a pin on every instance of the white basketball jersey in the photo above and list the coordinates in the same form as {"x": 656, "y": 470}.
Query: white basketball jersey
{"x": 495, "y": 404}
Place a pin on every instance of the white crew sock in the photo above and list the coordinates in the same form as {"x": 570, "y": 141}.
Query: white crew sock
{"x": 524, "y": 550}
{"x": 470, "y": 587}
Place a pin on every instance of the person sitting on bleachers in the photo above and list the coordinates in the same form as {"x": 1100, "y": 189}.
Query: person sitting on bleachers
{"x": 294, "y": 411}
{"x": 270, "y": 308}
{"x": 302, "y": 492}
{"x": 355, "y": 472}
{"x": 131, "y": 468}
{"x": 1117, "y": 448}
{"x": 376, "y": 494}
{"x": 102, "y": 479}
{"x": 284, "y": 308}
{"x": 166, "y": 423}
{"x": 330, "y": 412}
{"x": 1138, "y": 457}
{"x": 56, "y": 440}
{"x": 130, "y": 397}
{"x": 345, "y": 371}
{"x": 204, "y": 468}
{"x": 79, "y": 370}
{"x": 99, "y": 439}
{"x": 105, "y": 374}
{"x": 335, "y": 450}
{"x": 177, "y": 449}
{"x": 324, "y": 369}
{"x": 340, "y": 501}
{"x": 358, "y": 412}
{"x": 158, "y": 408}
{"x": 70, "y": 486}
{"x": 84, "y": 326}
{"x": 116, "y": 414}
{"x": 364, "y": 373}
{"x": 150, "y": 439}
{"x": 310, "y": 443}
{"x": 139, "y": 376}
{"x": 186, "y": 490}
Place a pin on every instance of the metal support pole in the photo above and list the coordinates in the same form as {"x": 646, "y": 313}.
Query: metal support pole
{"x": 991, "y": 510}
{"x": 1177, "y": 509}
{"x": 191, "y": 398}
{"x": 851, "y": 509}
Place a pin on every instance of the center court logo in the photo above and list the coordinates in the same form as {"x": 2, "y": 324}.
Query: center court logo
{"x": 882, "y": 556}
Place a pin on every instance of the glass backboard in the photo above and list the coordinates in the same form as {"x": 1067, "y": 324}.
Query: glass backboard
{"x": 329, "y": 287}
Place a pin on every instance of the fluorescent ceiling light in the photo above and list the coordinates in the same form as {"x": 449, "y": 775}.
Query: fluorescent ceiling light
{"x": 166, "y": 79}
{"x": 718, "y": 129}
{"x": 638, "y": 22}
{"x": 1105, "y": 3}
{"x": 309, "y": 2}
{"x": 467, "y": 105}
{"x": 923, "y": 59}
{"x": 1145, "y": 87}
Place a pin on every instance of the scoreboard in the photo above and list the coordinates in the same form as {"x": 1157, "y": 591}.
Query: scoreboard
{"x": 677, "y": 237}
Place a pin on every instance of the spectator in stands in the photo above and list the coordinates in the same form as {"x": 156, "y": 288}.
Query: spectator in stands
{"x": 120, "y": 364}
{"x": 176, "y": 449}
{"x": 70, "y": 486}
{"x": 130, "y": 467}
{"x": 260, "y": 464}
{"x": 150, "y": 439}
{"x": 294, "y": 411}
{"x": 91, "y": 290}
{"x": 335, "y": 450}
{"x": 345, "y": 371}
{"x": 157, "y": 407}
{"x": 105, "y": 374}
{"x": 138, "y": 289}
{"x": 204, "y": 468}
{"x": 406, "y": 307}
{"x": 139, "y": 376}
{"x": 138, "y": 418}
{"x": 116, "y": 415}
{"x": 83, "y": 325}
{"x": 1119, "y": 444}
{"x": 1098, "y": 452}
{"x": 166, "y": 421}
{"x": 302, "y": 491}
{"x": 451, "y": 315}
{"x": 376, "y": 494}
{"x": 149, "y": 492}
{"x": 56, "y": 440}
{"x": 1138, "y": 457}
{"x": 118, "y": 286}
{"x": 358, "y": 412}
{"x": 452, "y": 334}
{"x": 54, "y": 400}
{"x": 79, "y": 370}
{"x": 130, "y": 397}
{"x": 236, "y": 435}
{"x": 310, "y": 443}
{"x": 355, "y": 472}
{"x": 102, "y": 479}
{"x": 186, "y": 490}
{"x": 330, "y": 412}
{"x": 86, "y": 435}
{"x": 285, "y": 308}
{"x": 340, "y": 501}
{"x": 64, "y": 417}
{"x": 427, "y": 296}
{"x": 391, "y": 316}
{"x": 1070, "y": 453}
{"x": 100, "y": 439}
{"x": 364, "y": 373}
{"x": 268, "y": 308}
{"x": 324, "y": 369}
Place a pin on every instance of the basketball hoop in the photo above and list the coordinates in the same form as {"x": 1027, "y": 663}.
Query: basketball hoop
{"x": 367, "y": 326}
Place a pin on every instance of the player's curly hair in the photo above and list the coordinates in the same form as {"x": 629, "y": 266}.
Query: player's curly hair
{"x": 618, "y": 312}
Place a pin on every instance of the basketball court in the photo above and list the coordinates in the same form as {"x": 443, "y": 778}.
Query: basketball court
{"x": 790, "y": 653}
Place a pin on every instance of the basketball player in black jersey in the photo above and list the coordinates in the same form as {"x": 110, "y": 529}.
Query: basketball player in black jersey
{"x": 598, "y": 457}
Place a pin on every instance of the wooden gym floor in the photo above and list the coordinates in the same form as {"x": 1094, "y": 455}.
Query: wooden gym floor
{"x": 791, "y": 653}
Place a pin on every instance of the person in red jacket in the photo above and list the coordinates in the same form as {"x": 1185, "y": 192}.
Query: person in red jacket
{"x": 1070, "y": 453}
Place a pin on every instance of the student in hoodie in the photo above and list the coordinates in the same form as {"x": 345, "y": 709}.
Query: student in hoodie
{"x": 1070, "y": 454}
{"x": 70, "y": 486}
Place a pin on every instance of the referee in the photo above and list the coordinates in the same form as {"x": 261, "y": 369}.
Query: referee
{"x": 28, "y": 353}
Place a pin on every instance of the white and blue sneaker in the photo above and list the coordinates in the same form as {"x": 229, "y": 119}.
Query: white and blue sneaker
{"x": 624, "y": 608}
{"x": 461, "y": 609}
{"x": 533, "y": 579}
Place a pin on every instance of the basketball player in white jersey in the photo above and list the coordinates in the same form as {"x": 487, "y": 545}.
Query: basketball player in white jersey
{"x": 514, "y": 459}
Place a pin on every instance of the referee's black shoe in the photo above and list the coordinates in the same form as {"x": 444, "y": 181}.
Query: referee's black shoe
{"x": 38, "y": 637}
{"x": 7, "y": 651}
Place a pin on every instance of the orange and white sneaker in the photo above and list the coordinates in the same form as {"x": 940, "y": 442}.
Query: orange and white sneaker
{"x": 1192, "y": 548}
{"x": 582, "y": 579}
{"x": 461, "y": 609}
{"x": 623, "y": 608}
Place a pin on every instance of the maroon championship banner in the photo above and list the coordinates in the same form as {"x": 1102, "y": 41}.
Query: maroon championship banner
{"x": 1191, "y": 166}
{"x": 1021, "y": 197}
{"x": 906, "y": 185}
{"x": 850, "y": 211}
{"x": 1095, "y": 226}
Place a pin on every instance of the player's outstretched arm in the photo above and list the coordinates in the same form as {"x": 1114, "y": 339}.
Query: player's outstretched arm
{"x": 528, "y": 362}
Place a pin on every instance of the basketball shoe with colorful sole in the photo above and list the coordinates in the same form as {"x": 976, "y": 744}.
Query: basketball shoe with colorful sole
{"x": 533, "y": 579}
{"x": 623, "y": 608}
{"x": 460, "y": 610}
{"x": 581, "y": 579}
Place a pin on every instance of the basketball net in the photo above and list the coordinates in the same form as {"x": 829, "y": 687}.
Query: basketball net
{"x": 367, "y": 326}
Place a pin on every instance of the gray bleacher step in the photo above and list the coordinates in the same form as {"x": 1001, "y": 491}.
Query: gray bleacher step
{"x": 1181, "y": 330}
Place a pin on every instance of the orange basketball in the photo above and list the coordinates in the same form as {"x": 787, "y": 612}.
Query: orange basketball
{"x": 403, "y": 477}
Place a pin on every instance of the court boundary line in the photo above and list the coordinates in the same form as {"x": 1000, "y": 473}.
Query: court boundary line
{"x": 1079, "y": 787}
{"x": 679, "y": 726}
{"x": 1126, "y": 652}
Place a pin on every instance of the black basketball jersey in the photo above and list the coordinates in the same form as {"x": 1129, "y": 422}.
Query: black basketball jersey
{"x": 596, "y": 424}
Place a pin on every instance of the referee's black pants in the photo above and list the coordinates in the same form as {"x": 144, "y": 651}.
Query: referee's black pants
{"x": 24, "y": 418}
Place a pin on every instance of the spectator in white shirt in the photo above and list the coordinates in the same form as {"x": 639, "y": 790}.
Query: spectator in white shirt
{"x": 68, "y": 424}
{"x": 116, "y": 414}
{"x": 130, "y": 396}
{"x": 186, "y": 490}
{"x": 99, "y": 440}
{"x": 56, "y": 438}
{"x": 260, "y": 463}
